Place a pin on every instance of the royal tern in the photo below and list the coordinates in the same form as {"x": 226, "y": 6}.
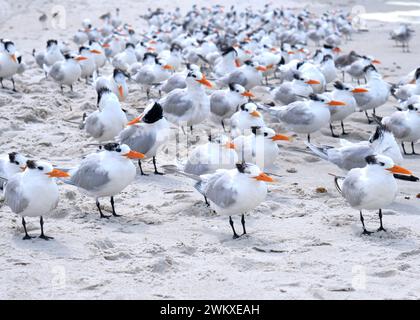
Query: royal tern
{"x": 245, "y": 118}
{"x": 146, "y": 133}
{"x": 249, "y": 75}
{"x": 34, "y": 192}
{"x": 116, "y": 82}
{"x": 10, "y": 164}
{"x": 105, "y": 173}
{"x": 372, "y": 187}
{"x": 51, "y": 55}
{"x": 9, "y": 64}
{"x": 67, "y": 72}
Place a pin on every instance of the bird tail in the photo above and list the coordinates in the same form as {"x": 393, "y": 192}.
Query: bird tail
{"x": 337, "y": 185}
{"x": 319, "y": 151}
{"x": 175, "y": 168}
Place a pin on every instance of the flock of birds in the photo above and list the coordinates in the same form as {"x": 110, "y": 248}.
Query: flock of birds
{"x": 203, "y": 66}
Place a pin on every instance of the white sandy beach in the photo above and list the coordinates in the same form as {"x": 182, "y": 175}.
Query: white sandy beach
{"x": 167, "y": 244}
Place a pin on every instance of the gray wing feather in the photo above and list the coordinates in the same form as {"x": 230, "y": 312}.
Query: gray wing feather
{"x": 296, "y": 114}
{"x": 89, "y": 176}
{"x": 219, "y": 104}
{"x": 176, "y": 104}
{"x": 94, "y": 127}
{"x": 218, "y": 189}
{"x": 13, "y": 196}
{"x": 396, "y": 124}
{"x": 238, "y": 77}
{"x": 351, "y": 189}
{"x": 138, "y": 138}
{"x": 348, "y": 158}
{"x": 56, "y": 72}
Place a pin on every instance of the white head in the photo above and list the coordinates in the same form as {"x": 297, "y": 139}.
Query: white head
{"x": 121, "y": 150}
{"x": 253, "y": 172}
{"x": 195, "y": 76}
{"x": 44, "y": 169}
{"x": 251, "y": 109}
{"x": 385, "y": 163}
{"x": 18, "y": 160}
{"x": 269, "y": 134}
{"x": 240, "y": 90}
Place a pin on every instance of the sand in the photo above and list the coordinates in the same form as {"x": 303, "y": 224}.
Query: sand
{"x": 167, "y": 244}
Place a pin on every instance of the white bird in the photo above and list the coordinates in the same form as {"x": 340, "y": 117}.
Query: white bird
{"x": 125, "y": 59}
{"x": 224, "y": 103}
{"x": 218, "y": 153}
{"x": 404, "y": 92}
{"x": 98, "y": 54}
{"x": 372, "y": 187}
{"x": 405, "y": 125}
{"x": 66, "y": 72}
{"x": 146, "y": 133}
{"x": 106, "y": 123}
{"x": 105, "y": 173}
{"x": 260, "y": 147}
{"x": 235, "y": 191}
{"x": 356, "y": 68}
{"x": 34, "y": 192}
{"x": 310, "y": 71}
{"x": 177, "y": 80}
{"x": 245, "y": 118}
{"x": 306, "y": 116}
{"x": 226, "y": 63}
{"x": 51, "y": 55}
{"x": 10, "y": 164}
{"x": 9, "y": 64}
{"x": 376, "y": 91}
{"x": 295, "y": 90}
{"x": 249, "y": 75}
{"x": 345, "y": 93}
{"x": 116, "y": 82}
{"x": 352, "y": 155}
{"x": 328, "y": 69}
{"x": 88, "y": 66}
{"x": 189, "y": 106}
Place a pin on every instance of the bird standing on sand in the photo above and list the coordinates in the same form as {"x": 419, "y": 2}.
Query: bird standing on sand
{"x": 67, "y": 72}
{"x": 34, "y": 193}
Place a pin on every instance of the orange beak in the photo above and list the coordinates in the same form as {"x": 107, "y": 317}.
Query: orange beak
{"x": 134, "y": 121}
{"x": 22, "y": 168}
{"x": 13, "y": 56}
{"x": 263, "y": 177}
{"x": 313, "y": 82}
{"x": 248, "y": 51}
{"x": 152, "y": 42}
{"x": 413, "y": 81}
{"x": 337, "y": 50}
{"x": 105, "y": 45}
{"x": 167, "y": 67}
{"x": 95, "y": 51}
{"x": 150, "y": 49}
{"x": 270, "y": 66}
{"x": 237, "y": 63}
{"x": 376, "y": 61}
{"x": 398, "y": 169}
{"x": 80, "y": 58}
{"x": 134, "y": 155}
{"x": 290, "y": 52}
{"x": 248, "y": 94}
{"x": 120, "y": 91}
{"x": 261, "y": 68}
{"x": 334, "y": 103}
{"x": 255, "y": 114}
{"x": 359, "y": 90}
{"x": 279, "y": 137}
{"x": 273, "y": 49}
{"x": 230, "y": 145}
{"x": 58, "y": 174}
{"x": 205, "y": 82}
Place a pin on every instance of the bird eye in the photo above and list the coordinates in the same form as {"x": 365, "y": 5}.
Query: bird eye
{"x": 118, "y": 149}
{"x": 382, "y": 164}
{"x": 16, "y": 162}
{"x": 194, "y": 76}
{"x": 40, "y": 168}
{"x": 265, "y": 134}
{"x": 246, "y": 110}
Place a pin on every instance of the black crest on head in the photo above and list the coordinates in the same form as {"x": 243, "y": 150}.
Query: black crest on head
{"x": 314, "y": 97}
{"x": 51, "y": 42}
{"x": 149, "y": 54}
{"x": 299, "y": 64}
{"x": 255, "y": 129}
{"x": 67, "y": 56}
{"x": 371, "y": 159}
{"x": 154, "y": 114}
{"x": 82, "y": 48}
{"x": 242, "y": 107}
{"x": 327, "y": 57}
{"x": 101, "y": 91}
{"x": 7, "y": 44}
{"x": 232, "y": 86}
{"x": 417, "y": 73}
{"x": 12, "y": 156}
{"x": 228, "y": 50}
{"x": 31, "y": 164}
{"x": 377, "y": 134}
{"x": 119, "y": 71}
{"x": 327, "y": 46}
{"x": 339, "y": 85}
{"x": 282, "y": 61}
{"x": 248, "y": 62}
{"x": 112, "y": 146}
{"x": 241, "y": 167}
{"x": 369, "y": 67}
{"x": 129, "y": 44}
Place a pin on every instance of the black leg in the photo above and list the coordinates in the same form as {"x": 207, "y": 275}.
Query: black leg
{"x": 62, "y": 89}
{"x": 342, "y": 128}
{"x": 1, "y": 81}
{"x": 332, "y": 132}
{"x": 363, "y": 224}
{"x": 403, "y": 147}
{"x": 207, "y": 202}
{"x": 309, "y": 137}
{"x": 243, "y": 224}
{"x": 27, "y": 236}
{"x": 141, "y": 169}
{"x": 374, "y": 111}
{"x": 367, "y": 117}
{"x": 100, "y": 211}
{"x": 412, "y": 148}
{"x": 154, "y": 164}
{"x": 43, "y": 236}
{"x": 13, "y": 83}
{"x": 160, "y": 93}
{"x": 191, "y": 128}
{"x": 148, "y": 93}
{"x": 235, "y": 235}
{"x": 71, "y": 88}
{"x": 223, "y": 125}
{"x": 381, "y": 227}
{"x": 113, "y": 208}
